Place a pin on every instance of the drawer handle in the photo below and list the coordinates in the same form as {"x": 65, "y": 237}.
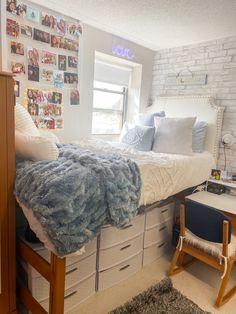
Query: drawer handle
{"x": 128, "y": 226}
{"x": 164, "y": 210}
{"x": 71, "y": 271}
{"x": 160, "y": 245}
{"x": 125, "y": 247}
{"x": 123, "y": 268}
{"x": 70, "y": 295}
{"x": 163, "y": 228}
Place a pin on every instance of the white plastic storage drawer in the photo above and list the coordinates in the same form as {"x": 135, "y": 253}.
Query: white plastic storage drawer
{"x": 120, "y": 272}
{"x": 116, "y": 254}
{"x": 75, "y": 273}
{"x": 158, "y": 233}
{"x": 158, "y": 215}
{"x": 155, "y": 251}
{"x": 76, "y": 294}
{"x": 111, "y": 236}
{"x": 90, "y": 248}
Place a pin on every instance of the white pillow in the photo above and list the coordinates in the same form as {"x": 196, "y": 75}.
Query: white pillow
{"x": 35, "y": 148}
{"x": 49, "y": 135}
{"x": 173, "y": 135}
{"x": 24, "y": 122}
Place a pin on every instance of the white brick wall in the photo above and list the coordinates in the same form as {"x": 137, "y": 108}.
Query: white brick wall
{"x": 217, "y": 59}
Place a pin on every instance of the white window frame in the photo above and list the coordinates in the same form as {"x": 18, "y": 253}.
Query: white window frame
{"x": 123, "y": 111}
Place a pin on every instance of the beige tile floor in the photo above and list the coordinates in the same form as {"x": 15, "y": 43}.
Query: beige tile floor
{"x": 199, "y": 283}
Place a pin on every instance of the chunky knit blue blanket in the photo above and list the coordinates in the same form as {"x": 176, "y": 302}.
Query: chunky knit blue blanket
{"x": 75, "y": 195}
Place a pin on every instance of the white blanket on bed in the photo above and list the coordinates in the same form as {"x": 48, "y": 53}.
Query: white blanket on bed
{"x": 162, "y": 175}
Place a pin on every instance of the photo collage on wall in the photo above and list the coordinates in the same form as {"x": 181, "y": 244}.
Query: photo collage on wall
{"x": 45, "y": 107}
{"x": 44, "y": 48}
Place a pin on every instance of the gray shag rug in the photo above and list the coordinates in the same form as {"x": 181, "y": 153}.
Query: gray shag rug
{"x": 160, "y": 299}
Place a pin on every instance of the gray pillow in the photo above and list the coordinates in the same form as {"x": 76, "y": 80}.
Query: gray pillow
{"x": 148, "y": 119}
{"x": 199, "y": 135}
{"x": 138, "y": 136}
{"x": 173, "y": 135}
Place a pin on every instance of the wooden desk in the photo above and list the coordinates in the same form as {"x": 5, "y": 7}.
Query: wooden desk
{"x": 223, "y": 202}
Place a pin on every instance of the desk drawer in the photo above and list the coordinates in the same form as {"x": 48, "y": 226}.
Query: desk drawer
{"x": 111, "y": 236}
{"x": 155, "y": 251}
{"x": 116, "y": 254}
{"x": 76, "y": 294}
{"x": 158, "y": 233}
{"x": 159, "y": 215}
{"x": 120, "y": 272}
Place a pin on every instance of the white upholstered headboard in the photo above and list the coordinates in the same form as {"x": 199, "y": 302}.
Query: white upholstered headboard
{"x": 202, "y": 107}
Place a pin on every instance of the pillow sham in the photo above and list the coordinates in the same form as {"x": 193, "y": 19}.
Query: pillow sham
{"x": 137, "y": 136}
{"x": 24, "y": 122}
{"x": 35, "y": 148}
{"x": 199, "y": 136}
{"x": 173, "y": 135}
{"x": 148, "y": 119}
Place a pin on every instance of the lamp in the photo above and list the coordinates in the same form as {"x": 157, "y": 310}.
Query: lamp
{"x": 227, "y": 140}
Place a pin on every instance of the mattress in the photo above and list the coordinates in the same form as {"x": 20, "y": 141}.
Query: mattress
{"x": 162, "y": 175}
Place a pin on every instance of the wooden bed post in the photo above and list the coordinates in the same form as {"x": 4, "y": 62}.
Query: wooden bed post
{"x": 57, "y": 285}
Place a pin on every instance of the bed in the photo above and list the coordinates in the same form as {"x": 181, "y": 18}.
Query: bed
{"x": 162, "y": 175}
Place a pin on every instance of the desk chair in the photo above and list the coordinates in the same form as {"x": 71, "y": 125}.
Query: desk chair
{"x": 205, "y": 234}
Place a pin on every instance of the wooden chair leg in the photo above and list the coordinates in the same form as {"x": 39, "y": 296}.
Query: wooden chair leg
{"x": 173, "y": 263}
{"x": 221, "y": 298}
{"x": 181, "y": 258}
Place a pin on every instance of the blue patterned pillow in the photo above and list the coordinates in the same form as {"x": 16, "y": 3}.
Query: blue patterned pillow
{"x": 199, "y": 135}
{"x": 138, "y": 136}
{"x": 148, "y": 119}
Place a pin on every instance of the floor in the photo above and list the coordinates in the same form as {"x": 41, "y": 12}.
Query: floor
{"x": 199, "y": 283}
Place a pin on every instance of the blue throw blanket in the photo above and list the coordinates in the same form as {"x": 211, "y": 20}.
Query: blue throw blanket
{"x": 75, "y": 195}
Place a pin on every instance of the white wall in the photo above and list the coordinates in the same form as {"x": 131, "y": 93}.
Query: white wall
{"x": 215, "y": 58}
{"x": 80, "y": 119}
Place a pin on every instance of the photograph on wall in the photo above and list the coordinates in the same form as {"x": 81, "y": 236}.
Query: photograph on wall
{"x": 58, "y": 124}
{"x": 33, "y": 109}
{"x": 17, "y": 48}
{"x": 74, "y": 97}
{"x": 49, "y": 20}
{"x": 11, "y": 6}
{"x": 26, "y": 30}
{"x": 62, "y": 62}
{"x": 74, "y": 29}
{"x": 33, "y": 15}
{"x": 47, "y": 96}
{"x": 61, "y": 25}
{"x": 33, "y": 73}
{"x": 57, "y": 111}
{"x": 70, "y": 78}
{"x": 18, "y": 68}
{"x": 21, "y": 9}
{"x": 57, "y": 98}
{"x": 47, "y": 75}
{"x": 41, "y": 36}
{"x": 17, "y": 89}
{"x": 49, "y": 57}
{"x": 13, "y": 28}
{"x": 72, "y": 62}
{"x": 33, "y": 56}
{"x": 56, "y": 41}
{"x": 69, "y": 44}
{"x": 58, "y": 79}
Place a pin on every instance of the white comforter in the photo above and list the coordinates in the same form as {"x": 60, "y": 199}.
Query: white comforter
{"x": 162, "y": 175}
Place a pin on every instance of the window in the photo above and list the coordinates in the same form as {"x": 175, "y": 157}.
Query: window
{"x": 109, "y": 108}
